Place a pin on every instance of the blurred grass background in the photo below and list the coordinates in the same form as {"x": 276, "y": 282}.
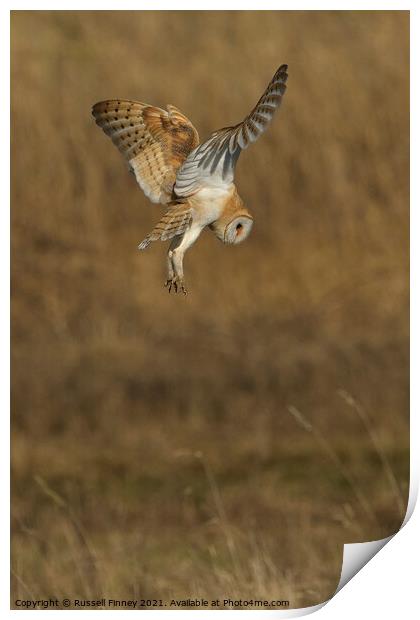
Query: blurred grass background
{"x": 158, "y": 444}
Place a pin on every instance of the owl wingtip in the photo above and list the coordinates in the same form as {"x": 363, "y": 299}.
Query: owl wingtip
{"x": 143, "y": 245}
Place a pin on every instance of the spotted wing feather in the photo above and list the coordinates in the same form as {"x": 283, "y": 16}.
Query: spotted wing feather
{"x": 213, "y": 162}
{"x": 155, "y": 142}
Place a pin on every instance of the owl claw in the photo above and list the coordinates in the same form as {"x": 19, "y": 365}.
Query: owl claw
{"x": 178, "y": 285}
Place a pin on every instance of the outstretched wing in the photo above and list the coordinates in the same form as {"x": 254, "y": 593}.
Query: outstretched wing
{"x": 154, "y": 141}
{"x": 213, "y": 162}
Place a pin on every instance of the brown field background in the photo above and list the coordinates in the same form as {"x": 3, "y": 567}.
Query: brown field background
{"x": 228, "y": 443}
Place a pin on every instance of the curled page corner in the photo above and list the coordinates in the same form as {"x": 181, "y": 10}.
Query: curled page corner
{"x": 357, "y": 555}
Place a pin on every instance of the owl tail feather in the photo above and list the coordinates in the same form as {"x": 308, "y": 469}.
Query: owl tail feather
{"x": 143, "y": 245}
{"x": 176, "y": 221}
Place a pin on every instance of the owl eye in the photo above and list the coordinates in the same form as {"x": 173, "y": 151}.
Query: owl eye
{"x": 238, "y": 229}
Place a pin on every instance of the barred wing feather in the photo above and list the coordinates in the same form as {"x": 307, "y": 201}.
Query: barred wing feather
{"x": 154, "y": 141}
{"x": 174, "y": 222}
{"x": 213, "y": 162}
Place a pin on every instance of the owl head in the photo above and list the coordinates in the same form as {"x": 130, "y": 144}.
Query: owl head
{"x": 232, "y": 228}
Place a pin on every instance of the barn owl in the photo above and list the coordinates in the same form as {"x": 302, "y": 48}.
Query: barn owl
{"x": 194, "y": 181}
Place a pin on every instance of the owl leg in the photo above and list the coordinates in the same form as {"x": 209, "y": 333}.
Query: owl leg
{"x": 177, "y": 249}
{"x": 170, "y": 267}
{"x": 171, "y": 273}
{"x": 175, "y": 267}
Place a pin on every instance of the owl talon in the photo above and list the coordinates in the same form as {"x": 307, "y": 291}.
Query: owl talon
{"x": 177, "y": 284}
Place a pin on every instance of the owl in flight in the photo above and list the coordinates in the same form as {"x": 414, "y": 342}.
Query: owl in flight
{"x": 194, "y": 181}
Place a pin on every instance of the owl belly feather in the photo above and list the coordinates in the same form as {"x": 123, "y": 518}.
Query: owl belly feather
{"x": 210, "y": 202}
